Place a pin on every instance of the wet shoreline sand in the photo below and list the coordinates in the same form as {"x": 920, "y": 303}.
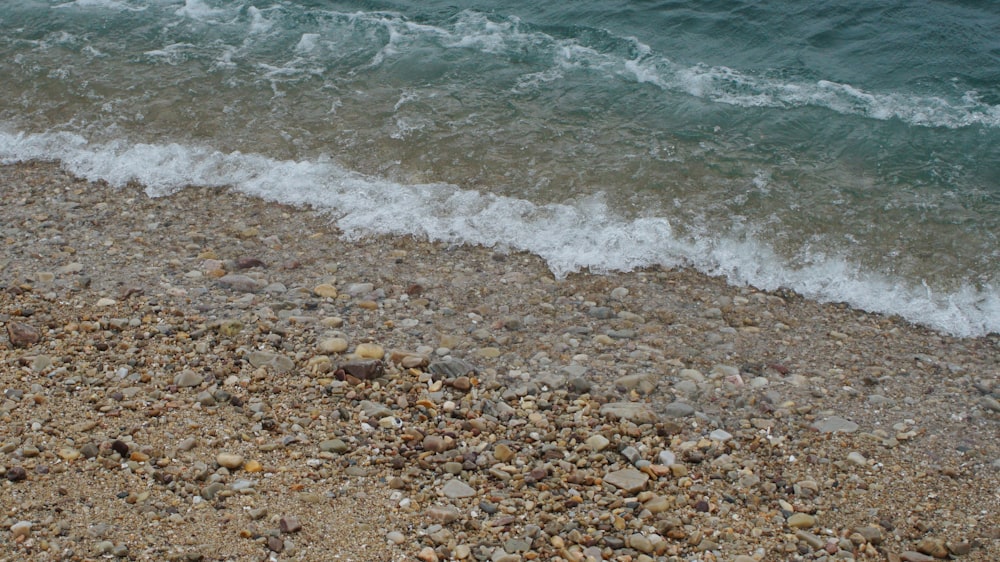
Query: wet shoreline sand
{"x": 194, "y": 377}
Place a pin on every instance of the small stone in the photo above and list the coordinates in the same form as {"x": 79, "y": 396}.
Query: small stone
{"x": 810, "y": 539}
{"x": 960, "y": 548}
{"x": 667, "y": 458}
{"x": 462, "y": 384}
{"x": 658, "y": 504}
{"x": 275, "y": 544}
{"x": 502, "y": 452}
{"x": 640, "y": 543}
{"x": 801, "y": 521}
{"x": 427, "y": 554}
{"x": 325, "y": 290}
{"x": 334, "y": 446}
{"x": 16, "y": 474}
{"x": 240, "y": 283}
{"x": 369, "y": 351}
{"x": 857, "y": 458}
{"x": 368, "y": 369}
{"x": 635, "y": 412}
{"x": 230, "y": 328}
{"x": 105, "y": 302}
{"x": 629, "y": 480}
{"x": 597, "y": 442}
{"x": 442, "y": 514}
{"x": 69, "y": 454}
{"x": 253, "y": 466}
{"x": 835, "y": 424}
{"x": 289, "y": 524}
{"x": 20, "y": 529}
{"x": 911, "y": 556}
{"x": 990, "y": 403}
{"x": 871, "y": 534}
{"x": 279, "y": 363}
{"x": 333, "y": 345}
{"x": 678, "y": 410}
{"x": 22, "y": 335}
{"x": 720, "y": 435}
{"x": 120, "y": 447}
{"x": 437, "y": 443}
{"x": 229, "y": 460}
{"x": 395, "y": 537}
{"x": 188, "y": 378}
{"x": 933, "y": 546}
{"x": 455, "y": 489}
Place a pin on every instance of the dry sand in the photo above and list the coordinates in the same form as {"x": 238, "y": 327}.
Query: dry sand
{"x": 213, "y": 377}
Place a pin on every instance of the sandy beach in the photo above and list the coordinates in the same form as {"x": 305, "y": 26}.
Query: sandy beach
{"x": 208, "y": 376}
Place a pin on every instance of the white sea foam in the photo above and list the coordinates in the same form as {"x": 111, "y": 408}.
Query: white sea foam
{"x": 105, "y": 4}
{"x": 584, "y": 234}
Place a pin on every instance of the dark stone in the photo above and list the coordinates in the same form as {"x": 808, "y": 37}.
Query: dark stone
{"x": 451, "y": 368}
{"x": 120, "y": 447}
{"x": 290, "y": 524}
{"x": 16, "y": 473}
{"x": 362, "y": 370}
{"x": 22, "y": 335}
{"x": 247, "y": 263}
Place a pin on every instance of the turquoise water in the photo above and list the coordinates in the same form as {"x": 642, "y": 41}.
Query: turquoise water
{"x": 844, "y": 150}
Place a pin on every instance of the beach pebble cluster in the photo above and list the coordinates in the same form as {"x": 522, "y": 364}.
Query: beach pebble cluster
{"x": 210, "y": 377}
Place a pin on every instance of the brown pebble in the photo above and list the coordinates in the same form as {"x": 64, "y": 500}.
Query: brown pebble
{"x": 16, "y": 473}
{"x": 22, "y": 335}
{"x": 120, "y": 447}
{"x": 247, "y": 263}
{"x": 275, "y": 544}
{"x": 290, "y": 524}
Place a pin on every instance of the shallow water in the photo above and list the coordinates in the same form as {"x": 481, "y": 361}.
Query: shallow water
{"x": 848, "y": 152}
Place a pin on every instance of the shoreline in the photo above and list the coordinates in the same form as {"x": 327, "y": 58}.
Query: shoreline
{"x": 181, "y": 293}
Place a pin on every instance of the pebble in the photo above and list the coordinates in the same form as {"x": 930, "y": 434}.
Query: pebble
{"x": 442, "y": 514}
{"x": 597, "y": 442}
{"x": 289, "y": 524}
{"x": 369, "y": 351}
{"x": 334, "y": 446}
{"x": 911, "y": 556}
{"x": 333, "y": 345}
{"x": 276, "y": 361}
{"x": 22, "y": 335}
{"x": 835, "y": 424}
{"x": 20, "y": 529}
{"x": 720, "y": 435}
{"x": 395, "y": 537}
{"x": 188, "y": 378}
{"x": 635, "y": 412}
{"x": 502, "y": 452}
{"x": 240, "y": 283}
{"x": 857, "y": 458}
{"x": 801, "y": 521}
{"x": 678, "y": 410}
{"x": 229, "y": 460}
{"x": 325, "y": 290}
{"x": 456, "y": 489}
{"x": 628, "y": 480}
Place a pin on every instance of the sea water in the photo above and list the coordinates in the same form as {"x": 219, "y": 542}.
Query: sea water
{"x": 849, "y": 151}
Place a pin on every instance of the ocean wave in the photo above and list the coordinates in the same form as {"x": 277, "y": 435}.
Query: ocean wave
{"x": 386, "y": 36}
{"x": 579, "y": 235}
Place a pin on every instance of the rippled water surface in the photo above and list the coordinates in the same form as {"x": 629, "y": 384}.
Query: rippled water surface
{"x": 845, "y": 150}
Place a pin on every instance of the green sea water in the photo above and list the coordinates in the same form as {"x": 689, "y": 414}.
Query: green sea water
{"x": 848, "y": 151}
